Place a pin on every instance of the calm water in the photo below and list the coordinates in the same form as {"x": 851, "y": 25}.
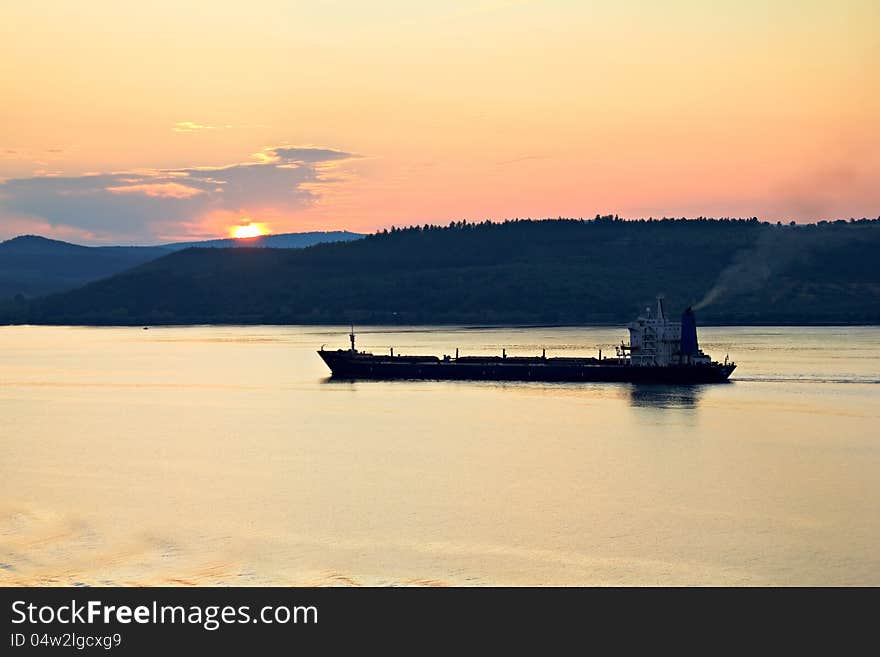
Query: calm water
{"x": 222, "y": 455}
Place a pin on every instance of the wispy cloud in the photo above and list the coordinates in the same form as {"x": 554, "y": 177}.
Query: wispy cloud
{"x": 523, "y": 158}
{"x": 158, "y": 190}
{"x": 192, "y": 126}
{"x": 153, "y": 204}
{"x": 32, "y": 155}
{"x": 300, "y": 154}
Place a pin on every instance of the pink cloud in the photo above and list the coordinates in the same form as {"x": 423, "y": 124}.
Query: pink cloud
{"x": 157, "y": 190}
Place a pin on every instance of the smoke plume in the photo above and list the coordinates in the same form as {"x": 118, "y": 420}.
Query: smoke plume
{"x": 776, "y": 248}
{"x": 749, "y": 270}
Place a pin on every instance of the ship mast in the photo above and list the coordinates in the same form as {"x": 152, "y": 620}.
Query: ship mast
{"x": 351, "y": 337}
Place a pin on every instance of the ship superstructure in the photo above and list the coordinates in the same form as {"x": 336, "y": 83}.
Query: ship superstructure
{"x": 655, "y": 340}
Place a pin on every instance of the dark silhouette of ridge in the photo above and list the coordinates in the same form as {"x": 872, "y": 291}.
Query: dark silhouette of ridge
{"x": 38, "y": 244}
{"x": 280, "y": 241}
{"x": 32, "y": 266}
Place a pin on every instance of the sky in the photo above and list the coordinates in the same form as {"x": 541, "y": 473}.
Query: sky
{"x": 134, "y": 122}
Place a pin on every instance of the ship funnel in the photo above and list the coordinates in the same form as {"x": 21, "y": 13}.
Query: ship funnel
{"x": 689, "y": 345}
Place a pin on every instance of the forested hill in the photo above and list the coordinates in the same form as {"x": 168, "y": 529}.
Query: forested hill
{"x": 555, "y": 271}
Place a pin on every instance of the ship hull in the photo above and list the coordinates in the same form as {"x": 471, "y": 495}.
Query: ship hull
{"x": 345, "y": 365}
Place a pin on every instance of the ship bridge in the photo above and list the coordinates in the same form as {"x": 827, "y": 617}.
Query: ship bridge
{"x": 654, "y": 339}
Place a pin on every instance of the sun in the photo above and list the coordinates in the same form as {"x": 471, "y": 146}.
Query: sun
{"x": 250, "y": 229}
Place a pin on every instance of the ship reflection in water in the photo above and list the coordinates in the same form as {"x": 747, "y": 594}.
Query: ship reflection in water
{"x": 662, "y": 396}
{"x": 651, "y": 395}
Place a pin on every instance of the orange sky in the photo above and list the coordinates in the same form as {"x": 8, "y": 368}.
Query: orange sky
{"x": 143, "y": 122}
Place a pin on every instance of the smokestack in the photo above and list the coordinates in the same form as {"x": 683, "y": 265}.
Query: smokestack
{"x": 689, "y": 345}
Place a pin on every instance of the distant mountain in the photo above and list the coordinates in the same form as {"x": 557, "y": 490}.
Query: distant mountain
{"x": 552, "y": 272}
{"x": 282, "y": 241}
{"x": 32, "y": 266}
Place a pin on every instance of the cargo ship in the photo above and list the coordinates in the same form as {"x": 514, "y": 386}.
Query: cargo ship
{"x": 660, "y": 350}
